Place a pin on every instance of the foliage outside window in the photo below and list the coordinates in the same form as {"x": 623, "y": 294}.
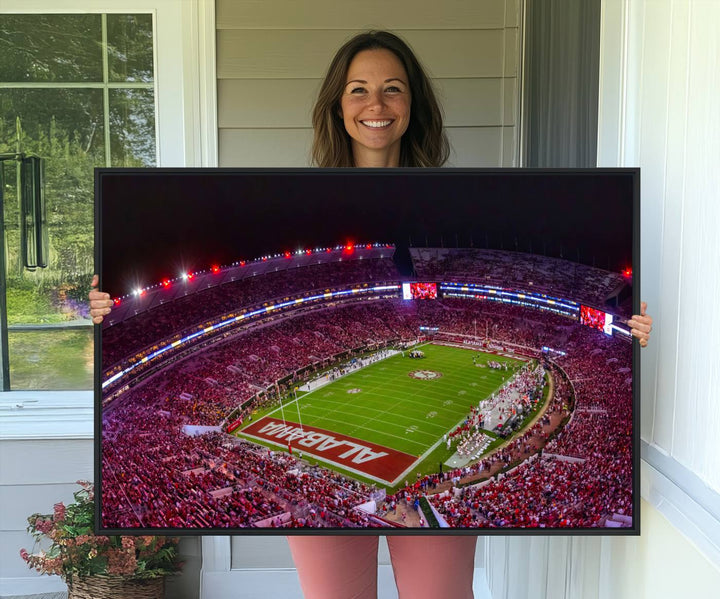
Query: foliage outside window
{"x": 78, "y": 91}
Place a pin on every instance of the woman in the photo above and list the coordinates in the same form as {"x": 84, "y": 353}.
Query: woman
{"x": 363, "y": 114}
{"x": 377, "y": 108}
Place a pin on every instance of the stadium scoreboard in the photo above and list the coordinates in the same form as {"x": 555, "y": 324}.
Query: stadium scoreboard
{"x": 420, "y": 291}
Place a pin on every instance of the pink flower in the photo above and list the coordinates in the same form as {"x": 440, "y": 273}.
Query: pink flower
{"x": 127, "y": 542}
{"x": 53, "y": 565}
{"x": 44, "y": 526}
{"x": 24, "y": 554}
{"x": 59, "y": 509}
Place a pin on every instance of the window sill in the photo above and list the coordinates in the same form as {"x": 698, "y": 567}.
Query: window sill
{"x": 46, "y": 415}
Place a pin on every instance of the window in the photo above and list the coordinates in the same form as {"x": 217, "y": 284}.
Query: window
{"x": 78, "y": 91}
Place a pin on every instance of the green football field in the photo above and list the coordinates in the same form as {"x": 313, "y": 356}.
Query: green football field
{"x": 384, "y": 404}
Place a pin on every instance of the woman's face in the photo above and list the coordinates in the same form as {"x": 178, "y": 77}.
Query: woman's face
{"x": 375, "y": 107}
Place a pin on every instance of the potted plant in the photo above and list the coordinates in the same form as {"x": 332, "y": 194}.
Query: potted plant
{"x": 95, "y": 566}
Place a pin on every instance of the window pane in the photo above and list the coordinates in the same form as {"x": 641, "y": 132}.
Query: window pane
{"x": 130, "y": 48}
{"x": 65, "y": 127}
{"x": 50, "y": 48}
{"x": 52, "y": 359}
{"x": 53, "y": 122}
{"x": 132, "y": 127}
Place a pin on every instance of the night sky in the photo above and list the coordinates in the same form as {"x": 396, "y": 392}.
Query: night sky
{"x": 157, "y": 223}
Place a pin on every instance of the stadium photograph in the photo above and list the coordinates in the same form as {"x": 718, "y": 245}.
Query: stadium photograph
{"x": 411, "y": 351}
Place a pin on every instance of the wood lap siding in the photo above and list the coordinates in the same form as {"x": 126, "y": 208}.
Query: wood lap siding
{"x": 271, "y": 57}
{"x": 350, "y": 14}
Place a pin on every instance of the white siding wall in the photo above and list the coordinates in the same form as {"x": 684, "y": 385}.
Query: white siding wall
{"x": 671, "y": 129}
{"x": 660, "y": 564}
{"x": 659, "y": 90}
{"x": 271, "y": 58}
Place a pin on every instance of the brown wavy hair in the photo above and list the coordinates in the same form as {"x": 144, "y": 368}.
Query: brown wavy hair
{"x": 423, "y": 144}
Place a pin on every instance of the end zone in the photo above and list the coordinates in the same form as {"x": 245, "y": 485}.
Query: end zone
{"x": 383, "y": 464}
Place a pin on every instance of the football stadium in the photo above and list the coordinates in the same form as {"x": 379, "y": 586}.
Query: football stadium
{"x": 325, "y": 388}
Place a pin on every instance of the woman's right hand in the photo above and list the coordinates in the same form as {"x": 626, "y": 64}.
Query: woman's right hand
{"x": 100, "y": 303}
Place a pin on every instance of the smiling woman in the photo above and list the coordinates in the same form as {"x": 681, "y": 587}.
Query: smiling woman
{"x": 363, "y": 114}
{"x": 375, "y": 107}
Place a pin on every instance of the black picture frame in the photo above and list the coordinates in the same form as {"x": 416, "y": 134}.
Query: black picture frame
{"x": 210, "y": 224}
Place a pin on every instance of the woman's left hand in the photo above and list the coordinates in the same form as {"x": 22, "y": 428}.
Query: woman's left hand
{"x": 100, "y": 303}
{"x": 641, "y": 325}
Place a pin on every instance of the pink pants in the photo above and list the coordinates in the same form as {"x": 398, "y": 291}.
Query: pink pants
{"x": 341, "y": 567}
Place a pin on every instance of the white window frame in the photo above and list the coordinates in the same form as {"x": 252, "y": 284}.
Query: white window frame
{"x": 186, "y": 130}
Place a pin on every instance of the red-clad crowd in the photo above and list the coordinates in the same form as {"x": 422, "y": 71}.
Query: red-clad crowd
{"x": 529, "y": 272}
{"x": 157, "y": 475}
{"x": 121, "y": 339}
{"x": 584, "y": 474}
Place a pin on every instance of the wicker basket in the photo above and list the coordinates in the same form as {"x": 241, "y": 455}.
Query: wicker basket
{"x": 116, "y": 587}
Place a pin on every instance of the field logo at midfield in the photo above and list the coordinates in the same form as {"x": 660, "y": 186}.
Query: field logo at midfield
{"x": 425, "y": 375}
{"x": 368, "y": 458}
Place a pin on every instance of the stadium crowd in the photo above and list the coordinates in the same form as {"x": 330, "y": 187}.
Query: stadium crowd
{"x": 529, "y": 272}
{"x": 155, "y": 474}
{"x": 585, "y": 472}
{"x": 160, "y": 322}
